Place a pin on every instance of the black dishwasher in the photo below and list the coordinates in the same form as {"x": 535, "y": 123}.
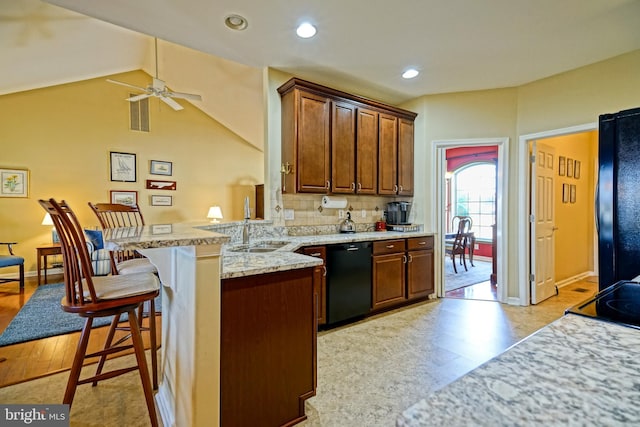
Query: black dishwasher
{"x": 348, "y": 281}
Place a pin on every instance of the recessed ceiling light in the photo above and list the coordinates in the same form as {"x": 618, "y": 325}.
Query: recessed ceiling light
{"x": 236, "y": 22}
{"x": 306, "y": 30}
{"x": 410, "y": 73}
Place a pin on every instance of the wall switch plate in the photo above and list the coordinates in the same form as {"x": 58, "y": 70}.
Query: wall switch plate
{"x": 288, "y": 214}
{"x": 340, "y": 213}
{"x": 364, "y": 213}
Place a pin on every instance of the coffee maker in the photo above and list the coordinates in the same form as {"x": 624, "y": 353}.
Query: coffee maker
{"x": 397, "y": 213}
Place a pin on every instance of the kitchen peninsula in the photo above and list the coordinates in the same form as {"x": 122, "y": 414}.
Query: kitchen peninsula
{"x": 575, "y": 371}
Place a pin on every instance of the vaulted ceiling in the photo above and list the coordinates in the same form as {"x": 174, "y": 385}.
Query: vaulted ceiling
{"x": 457, "y": 45}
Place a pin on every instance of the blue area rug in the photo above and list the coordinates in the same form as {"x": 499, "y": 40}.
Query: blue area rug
{"x": 42, "y": 317}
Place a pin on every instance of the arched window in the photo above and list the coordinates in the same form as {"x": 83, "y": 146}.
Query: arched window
{"x": 474, "y": 194}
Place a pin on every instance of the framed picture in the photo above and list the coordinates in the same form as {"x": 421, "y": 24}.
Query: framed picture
{"x": 157, "y": 200}
{"x": 561, "y": 165}
{"x": 153, "y": 184}
{"x": 159, "y": 167}
{"x": 569, "y": 168}
{"x": 129, "y": 198}
{"x": 161, "y": 229}
{"x": 572, "y": 197}
{"x": 576, "y": 170}
{"x": 15, "y": 183}
{"x": 122, "y": 166}
{"x": 565, "y": 193}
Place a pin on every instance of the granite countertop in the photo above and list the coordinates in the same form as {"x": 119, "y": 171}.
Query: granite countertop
{"x": 239, "y": 264}
{"x": 576, "y": 371}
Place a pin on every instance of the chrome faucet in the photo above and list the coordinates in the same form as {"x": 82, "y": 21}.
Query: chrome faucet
{"x": 245, "y": 226}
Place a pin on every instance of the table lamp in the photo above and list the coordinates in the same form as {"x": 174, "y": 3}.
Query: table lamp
{"x": 215, "y": 213}
{"x": 54, "y": 234}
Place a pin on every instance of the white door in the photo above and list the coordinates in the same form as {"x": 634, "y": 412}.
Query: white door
{"x": 543, "y": 167}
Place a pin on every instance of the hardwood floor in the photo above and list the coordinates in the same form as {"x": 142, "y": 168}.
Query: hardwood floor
{"x": 479, "y": 291}
{"x": 34, "y": 359}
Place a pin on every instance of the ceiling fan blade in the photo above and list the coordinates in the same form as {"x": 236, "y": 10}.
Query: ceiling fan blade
{"x": 139, "y": 97}
{"x": 171, "y": 103}
{"x": 182, "y": 95}
{"x": 126, "y": 84}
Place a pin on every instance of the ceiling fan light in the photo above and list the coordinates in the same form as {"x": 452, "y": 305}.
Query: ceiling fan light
{"x": 410, "y": 73}
{"x": 306, "y": 30}
{"x": 236, "y": 22}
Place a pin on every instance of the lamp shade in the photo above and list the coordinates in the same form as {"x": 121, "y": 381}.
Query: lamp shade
{"x": 215, "y": 213}
{"x": 47, "y": 220}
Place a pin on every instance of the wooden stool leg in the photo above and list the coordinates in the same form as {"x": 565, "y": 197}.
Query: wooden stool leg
{"x": 76, "y": 367}
{"x": 107, "y": 344}
{"x": 138, "y": 345}
{"x": 153, "y": 344}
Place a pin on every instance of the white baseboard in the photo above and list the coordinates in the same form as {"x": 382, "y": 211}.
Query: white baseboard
{"x": 573, "y": 279}
{"x": 32, "y": 273}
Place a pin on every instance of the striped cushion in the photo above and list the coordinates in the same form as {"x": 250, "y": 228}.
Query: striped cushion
{"x": 114, "y": 287}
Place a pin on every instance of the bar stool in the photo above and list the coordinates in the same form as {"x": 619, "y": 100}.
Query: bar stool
{"x": 92, "y": 297}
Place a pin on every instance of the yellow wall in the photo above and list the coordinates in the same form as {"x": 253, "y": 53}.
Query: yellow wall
{"x": 574, "y": 248}
{"x": 63, "y": 136}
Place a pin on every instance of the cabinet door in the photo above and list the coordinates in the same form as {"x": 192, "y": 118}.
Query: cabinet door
{"x": 420, "y": 274}
{"x": 367, "y": 152}
{"x": 388, "y": 280}
{"x": 387, "y": 154}
{"x": 405, "y": 157}
{"x": 313, "y": 139}
{"x": 343, "y": 147}
{"x": 319, "y": 280}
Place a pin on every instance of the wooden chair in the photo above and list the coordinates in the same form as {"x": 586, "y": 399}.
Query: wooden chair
{"x": 458, "y": 245}
{"x": 12, "y": 260}
{"x": 112, "y": 215}
{"x": 92, "y": 296}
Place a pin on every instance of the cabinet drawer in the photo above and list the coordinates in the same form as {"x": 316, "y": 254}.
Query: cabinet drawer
{"x": 416, "y": 243}
{"x": 388, "y": 246}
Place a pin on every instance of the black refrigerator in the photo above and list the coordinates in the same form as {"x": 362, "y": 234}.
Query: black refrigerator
{"x": 618, "y": 197}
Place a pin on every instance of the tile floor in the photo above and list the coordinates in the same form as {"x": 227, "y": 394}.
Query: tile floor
{"x": 368, "y": 372}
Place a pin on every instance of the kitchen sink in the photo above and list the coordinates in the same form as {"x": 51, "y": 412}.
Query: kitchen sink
{"x": 258, "y": 247}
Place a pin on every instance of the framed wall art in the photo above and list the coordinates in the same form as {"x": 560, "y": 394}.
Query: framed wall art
{"x": 565, "y": 193}
{"x": 562, "y": 162}
{"x": 576, "y": 169}
{"x": 15, "y": 183}
{"x": 122, "y": 166}
{"x": 569, "y": 168}
{"x": 572, "y": 196}
{"x": 157, "y": 200}
{"x": 154, "y": 184}
{"x": 123, "y": 197}
{"x": 159, "y": 167}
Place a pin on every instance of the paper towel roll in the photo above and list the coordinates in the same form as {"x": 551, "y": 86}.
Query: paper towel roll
{"x": 331, "y": 202}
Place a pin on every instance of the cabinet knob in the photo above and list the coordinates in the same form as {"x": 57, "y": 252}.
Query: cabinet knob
{"x": 401, "y": 189}
{"x": 395, "y": 188}
{"x": 316, "y": 254}
{"x": 410, "y": 258}
{"x": 390, "y": 246}
{"x": 404, "y": 259}
{"x": 328, "y": 185}
{"x": 353, "y": 186}
{"x": 359, "y": 186}
{"x": 422, "y": 243}
{"x": 324, "y": 271}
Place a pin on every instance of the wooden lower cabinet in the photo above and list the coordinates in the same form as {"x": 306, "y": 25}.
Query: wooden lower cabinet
{"x": 388, "y": 266}
{"x": 319, "y": 280}
{"x": 420, "y": 280}
{"x": 268, "y": 348}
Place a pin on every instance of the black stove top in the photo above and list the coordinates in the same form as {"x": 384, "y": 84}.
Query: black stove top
{"x": 619, "y": 303}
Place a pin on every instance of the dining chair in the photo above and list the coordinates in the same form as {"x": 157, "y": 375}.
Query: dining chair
{"x": 458, "y": 245}
{"x": 93, "y": 297}
{"x": 113, "y": 215}
{"x": 12, "y": 260}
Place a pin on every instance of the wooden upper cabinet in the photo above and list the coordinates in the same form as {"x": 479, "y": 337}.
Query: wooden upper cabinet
{"x": 405, "y": 157}
{"x": 343, "y": 147}
{"x": 388, "y": 155}
{"x": 367, "y": 152}
{"x": 306, "y": 141}
{"x": 336, "y": 142}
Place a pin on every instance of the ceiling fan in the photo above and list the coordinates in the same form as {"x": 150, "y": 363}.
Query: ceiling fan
{"x": 158, "y": 89}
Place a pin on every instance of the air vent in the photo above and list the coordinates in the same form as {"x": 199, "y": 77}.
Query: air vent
{"x": 139, "y": 114}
